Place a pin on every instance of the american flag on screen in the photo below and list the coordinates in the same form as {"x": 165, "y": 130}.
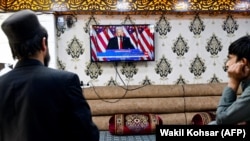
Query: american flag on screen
{"x": 146, "y": 40}
{"x": 130, "y": 31}
{"x": 141, "y": 37}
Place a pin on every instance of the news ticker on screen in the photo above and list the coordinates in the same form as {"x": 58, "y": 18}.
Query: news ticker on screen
{"x": 198, "y": 132}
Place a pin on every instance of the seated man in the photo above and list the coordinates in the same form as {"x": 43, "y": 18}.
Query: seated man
{"x": 231, "y": 108}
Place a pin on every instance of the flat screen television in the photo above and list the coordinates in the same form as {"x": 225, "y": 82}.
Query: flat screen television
{"x": 137, "y": 43}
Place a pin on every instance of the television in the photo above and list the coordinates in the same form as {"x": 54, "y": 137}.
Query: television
{"x": 141, "y": 36}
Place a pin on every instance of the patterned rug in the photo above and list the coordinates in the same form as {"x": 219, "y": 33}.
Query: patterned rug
{"x": 106, "y": 136}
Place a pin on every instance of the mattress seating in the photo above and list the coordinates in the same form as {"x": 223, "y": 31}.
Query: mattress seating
{"x": 174, "y": 104}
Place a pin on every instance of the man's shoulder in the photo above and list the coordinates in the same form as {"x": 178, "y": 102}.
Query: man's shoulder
{"x": 60, "y": 75}
{"x": 125, "y": 37}
{"x": 58, "y": 72}
{"x": 113, "y": 38}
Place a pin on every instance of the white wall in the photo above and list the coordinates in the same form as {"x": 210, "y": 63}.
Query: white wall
{"x": 5, "y": 53}
{"x": 48, "y": 21}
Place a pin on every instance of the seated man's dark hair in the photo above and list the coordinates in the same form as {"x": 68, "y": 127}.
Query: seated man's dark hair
{"x": 241, "y": 48}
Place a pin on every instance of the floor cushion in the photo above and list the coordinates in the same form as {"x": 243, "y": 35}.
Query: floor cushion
{"x": 131, "y": 124}
{"x": 203, "y": 118}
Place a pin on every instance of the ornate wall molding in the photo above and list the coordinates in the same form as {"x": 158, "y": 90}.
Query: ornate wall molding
{"x": 128, "y": 6}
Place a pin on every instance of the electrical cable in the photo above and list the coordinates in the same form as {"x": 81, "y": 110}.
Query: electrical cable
{"x": 125, "y": 87}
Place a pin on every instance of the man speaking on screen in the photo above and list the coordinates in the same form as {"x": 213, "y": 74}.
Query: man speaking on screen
{"x": 119, "y": 41}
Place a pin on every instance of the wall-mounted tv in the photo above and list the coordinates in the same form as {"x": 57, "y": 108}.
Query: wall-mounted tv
{"x": 127, "y": 43}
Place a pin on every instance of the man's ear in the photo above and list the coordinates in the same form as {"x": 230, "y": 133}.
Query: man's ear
{"x": 44, "y": 46}
{"x": 245, "y": 61}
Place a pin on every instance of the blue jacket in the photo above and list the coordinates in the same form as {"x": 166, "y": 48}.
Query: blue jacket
{"x": 233, "y": 110}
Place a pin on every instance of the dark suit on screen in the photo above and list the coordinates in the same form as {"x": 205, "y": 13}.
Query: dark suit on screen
{"x": 126, "y": 43}
{"x": 38, "y": 103}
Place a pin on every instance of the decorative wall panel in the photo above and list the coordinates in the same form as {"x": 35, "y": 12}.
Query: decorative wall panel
{"x": 190, "y": 49}
{"x": 144, "y": 7}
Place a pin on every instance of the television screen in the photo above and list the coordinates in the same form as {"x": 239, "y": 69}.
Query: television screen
{"x": 114, "y": 43}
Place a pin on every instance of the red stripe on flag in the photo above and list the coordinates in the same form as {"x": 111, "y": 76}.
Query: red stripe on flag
{"x": 144, "y": 41}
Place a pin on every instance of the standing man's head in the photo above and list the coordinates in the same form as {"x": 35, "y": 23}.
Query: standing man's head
{"x": 27, "y": 37}
{"x": 119, "y": 32}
